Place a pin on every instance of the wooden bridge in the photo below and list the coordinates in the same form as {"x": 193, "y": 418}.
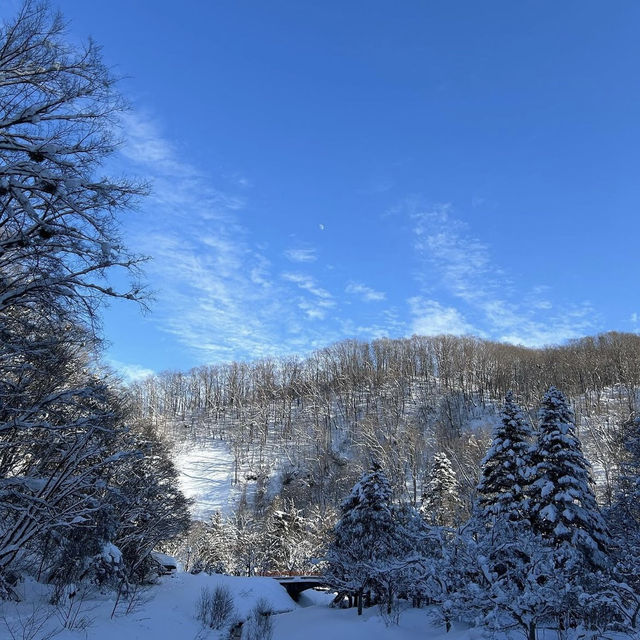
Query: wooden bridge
{"x": 295, "y": 585}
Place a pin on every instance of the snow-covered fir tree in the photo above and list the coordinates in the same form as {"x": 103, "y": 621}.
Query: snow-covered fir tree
{"x": 623, "y": 518}
{"x": 441, "y": 504}
{"x": 505, "y": 466}
{"x": 366, "y": 538}
{"x": 540, "y": 558}
{"x": 563, "y": 505}
{"x": 495, "y": 574}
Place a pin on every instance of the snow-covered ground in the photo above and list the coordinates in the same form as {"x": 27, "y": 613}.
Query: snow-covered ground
{"x": 206, "y": 475}
{"x": 163, "y": 612}
{"x": 168, "y": 611}
{"x": 319, "y": 622}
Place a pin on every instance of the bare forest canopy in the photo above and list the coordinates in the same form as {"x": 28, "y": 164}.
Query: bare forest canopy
{"x": 317, "y": 422}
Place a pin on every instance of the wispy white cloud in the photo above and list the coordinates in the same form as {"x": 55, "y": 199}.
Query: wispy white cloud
{"x": 131, "y": 372}
{"x": 308, "y": 283}
{"x": 215, "y": 289}
{"x": 301, "y": 255}
{"x": 367, "y": 294}
{"x": 387, "y": 324}
{"x": 221, "y": 297}
{"x": 315, "y": 305}
{"x": 462, "y": 261}
{"x": 431, "y": 318}
{"x": 481, "y": 297}
{"x": 512, "y": 323}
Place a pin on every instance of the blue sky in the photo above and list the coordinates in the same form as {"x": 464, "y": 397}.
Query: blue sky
{"x": 337, "y": 169}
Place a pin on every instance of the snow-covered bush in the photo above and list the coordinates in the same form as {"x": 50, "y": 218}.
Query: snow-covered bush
{"x": 390, "y": 612}
{"x": 106, "y": 567}
{"x": 259, "y": 625}
{"x": 30, "y": 625}
{"x": 215, "y": 608}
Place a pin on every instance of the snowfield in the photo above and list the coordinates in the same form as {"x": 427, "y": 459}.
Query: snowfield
{"x": 167, "y": 611}
{"x": 205, "y": 475}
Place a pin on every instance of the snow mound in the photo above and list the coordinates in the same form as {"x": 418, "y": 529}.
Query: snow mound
{"x": 164, "y": 612}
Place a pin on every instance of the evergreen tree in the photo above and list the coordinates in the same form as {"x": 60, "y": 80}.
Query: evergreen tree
{"x": 505, "y": 467}
{"x": 541, "y": 562}
{"x": 441, "y": 502}
{"x": 498, "y": 559}
{"x": 365, "y": 538}
{"x": 623, "y": 518}
{"x": 563, "y": 504}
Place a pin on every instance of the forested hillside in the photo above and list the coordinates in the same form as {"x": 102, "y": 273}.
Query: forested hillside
{"x": 301, "y": 431}
{"x": 497, "y": 484}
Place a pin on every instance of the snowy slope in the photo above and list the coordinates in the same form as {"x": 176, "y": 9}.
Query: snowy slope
{"x": 205, "y": 474}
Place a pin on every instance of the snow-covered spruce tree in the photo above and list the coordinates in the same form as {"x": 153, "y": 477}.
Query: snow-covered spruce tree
{"x": 368, "y": 543}
{"x": 564, "y": 514}
{"x": 211, "y": 545}
{"x": 495, "y": 572}
{"x": 563, "y": 505}
{"x": 503, "y": 478}
{"x": 623, "y": 518}
{"x": 441, "y": 503}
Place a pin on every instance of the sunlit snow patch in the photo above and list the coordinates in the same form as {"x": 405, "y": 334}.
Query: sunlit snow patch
{"x": 206, "y": 475}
